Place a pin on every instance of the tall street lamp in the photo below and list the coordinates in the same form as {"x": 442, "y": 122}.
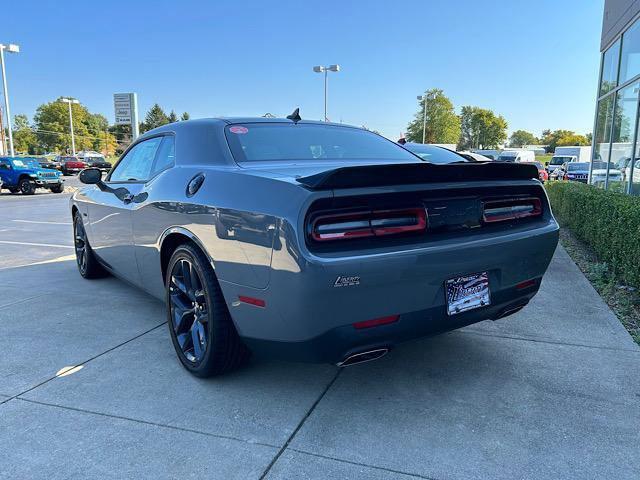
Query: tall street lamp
{"x": 420, "y": 98}
{"x": 326, "y": 70}
{"x": 11, "y": 48}
{"x": 69, "y": 101}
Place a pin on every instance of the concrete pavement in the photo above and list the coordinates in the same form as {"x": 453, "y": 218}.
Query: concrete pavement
{"x": 552, "y": 392}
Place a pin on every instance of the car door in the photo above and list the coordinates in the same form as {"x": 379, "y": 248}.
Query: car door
{"x": 151, "y": 215}
{"x": 5, "y": 172}
{"x": 109, "y": 209}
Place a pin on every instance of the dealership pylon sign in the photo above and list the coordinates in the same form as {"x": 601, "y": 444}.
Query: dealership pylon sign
{"x": 126, "y": 110}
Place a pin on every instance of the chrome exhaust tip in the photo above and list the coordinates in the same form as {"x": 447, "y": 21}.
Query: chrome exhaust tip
{"x": 362, "y": 357}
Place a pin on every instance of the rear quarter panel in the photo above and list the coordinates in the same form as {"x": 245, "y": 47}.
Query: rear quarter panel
{"x": 235, "y": 217}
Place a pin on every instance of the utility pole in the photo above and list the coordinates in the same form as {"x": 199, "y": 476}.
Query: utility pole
{"x": 69, "y": 101}
{"x": 423, "y": 99}
{"x": 326, "y": 70}
{"x": 11, "y": 48}
{"x": 3, "y": 145}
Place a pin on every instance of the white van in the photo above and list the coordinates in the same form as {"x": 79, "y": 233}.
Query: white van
{"x": 517, "y": 156}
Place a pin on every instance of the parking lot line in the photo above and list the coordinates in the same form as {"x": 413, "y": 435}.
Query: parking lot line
{"x": 42, "y": 222}
{"x": 8, "y": 242}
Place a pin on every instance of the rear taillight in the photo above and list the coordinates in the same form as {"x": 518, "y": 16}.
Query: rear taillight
{"x": 511, "y": 209}
{"x": 371, "y": 223}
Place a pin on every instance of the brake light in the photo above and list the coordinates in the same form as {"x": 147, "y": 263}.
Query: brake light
{"x": 511, "y": 209}
{"x": 372, "y": 223}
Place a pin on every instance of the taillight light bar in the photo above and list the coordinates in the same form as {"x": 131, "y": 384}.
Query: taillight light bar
{"x": 372, "y": 223}
{"x": 511, "y": 209}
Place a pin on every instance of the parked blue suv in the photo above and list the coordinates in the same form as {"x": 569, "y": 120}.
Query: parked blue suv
{"x": 20, "y": 174}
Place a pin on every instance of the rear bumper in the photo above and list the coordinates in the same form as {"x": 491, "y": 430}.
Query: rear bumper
{"x": 306, "y": 317}
{"x": 338, "y": 343}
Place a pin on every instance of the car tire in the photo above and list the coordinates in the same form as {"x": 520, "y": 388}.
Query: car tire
{"x": 203, "y": 334}
{"x": 57, "y": 189}
{"x": 26, "y": 187}
{"x": 88, "y": 265}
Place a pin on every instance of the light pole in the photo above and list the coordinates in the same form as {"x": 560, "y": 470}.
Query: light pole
{"x": 326, "y": 70}
{"x": 69, "y": 101}
{"x": 11, "y": 48}
{"x": 420, "y": 98}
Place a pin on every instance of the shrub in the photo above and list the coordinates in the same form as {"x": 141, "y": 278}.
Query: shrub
{"x": 607, "y": 221}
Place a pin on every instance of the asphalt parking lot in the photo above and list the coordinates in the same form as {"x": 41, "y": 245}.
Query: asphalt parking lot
{"x": 90, "y": 387}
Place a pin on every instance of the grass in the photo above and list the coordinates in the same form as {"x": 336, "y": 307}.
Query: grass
{"x": 544, "y": 159}
{"x": 622, "y": 299}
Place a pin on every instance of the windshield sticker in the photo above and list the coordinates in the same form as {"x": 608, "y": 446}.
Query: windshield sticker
{"x": 238, "y": 129}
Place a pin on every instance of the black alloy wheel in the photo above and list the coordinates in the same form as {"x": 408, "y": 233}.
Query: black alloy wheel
{"x": 88, "y": 265}
{"x": 26, "y": 187}
{"x": 80, "y": 244}
{"x": 202, "y": 331}
{"x": 189, "y": 310}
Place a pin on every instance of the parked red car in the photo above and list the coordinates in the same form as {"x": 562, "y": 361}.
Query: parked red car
{"x": 70, "y": 165}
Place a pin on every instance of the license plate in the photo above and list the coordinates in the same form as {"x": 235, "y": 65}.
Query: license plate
{"x": 468, "y": 292}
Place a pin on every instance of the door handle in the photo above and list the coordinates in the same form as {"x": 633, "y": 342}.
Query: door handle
{"x": 128, "y": 198}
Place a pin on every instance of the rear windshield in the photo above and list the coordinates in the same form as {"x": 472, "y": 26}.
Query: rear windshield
{"x": 559, "y": 160}
{"x": 256, "y": 142}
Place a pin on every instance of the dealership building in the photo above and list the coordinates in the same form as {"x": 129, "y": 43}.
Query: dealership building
{"x": 616, "y": 138}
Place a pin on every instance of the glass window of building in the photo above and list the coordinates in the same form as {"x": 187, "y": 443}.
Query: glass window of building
{"x": 610, "y": 68}
{"x": 630, "y": 57}
{"x": 602, "y": 135}
{"x": 633, "y": 175}
{"x": 624, "y": 125}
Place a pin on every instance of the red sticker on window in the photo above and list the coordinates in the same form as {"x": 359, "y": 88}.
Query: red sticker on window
{"x": 238, "y": 129}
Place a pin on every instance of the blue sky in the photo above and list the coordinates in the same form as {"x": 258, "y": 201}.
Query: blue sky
{"x": 536, "y": 63}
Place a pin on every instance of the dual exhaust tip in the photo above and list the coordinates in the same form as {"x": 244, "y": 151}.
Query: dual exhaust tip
{"x": 362, "y": 357}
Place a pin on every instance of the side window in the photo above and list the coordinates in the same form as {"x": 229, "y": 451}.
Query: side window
{"x": 137, "y": 163}
{"x": 165, "y": 157}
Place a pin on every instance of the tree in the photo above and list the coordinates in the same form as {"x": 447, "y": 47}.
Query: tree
{"x": 172, "y": 117}
{"x": 442, "y": 125}
{"x": 574, "y": 139}
{"x": 154, "y": 118}
{"x": 24, "y": 138}
{"x": 521, "y": 138}
{"x": 185, "y": 116}
{"x": 562, "y": 138}
{"x": 102, "y": 140}
{"x": 481, "y": 128}
{"x": 52, "y": 126}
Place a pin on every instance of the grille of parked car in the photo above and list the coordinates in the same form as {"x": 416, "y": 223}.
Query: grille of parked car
{"x": 48, "y": 174}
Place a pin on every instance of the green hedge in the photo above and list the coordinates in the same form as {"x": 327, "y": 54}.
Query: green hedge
{"x": 607, "y": 221}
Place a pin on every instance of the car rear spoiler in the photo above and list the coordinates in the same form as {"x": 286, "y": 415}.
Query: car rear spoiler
{"x": 414, "y": 173}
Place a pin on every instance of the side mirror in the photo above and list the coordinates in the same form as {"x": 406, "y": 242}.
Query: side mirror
{"x": 90, "y": 176}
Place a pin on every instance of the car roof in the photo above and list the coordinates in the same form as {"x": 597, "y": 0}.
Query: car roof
{"x": 221, "y": 122}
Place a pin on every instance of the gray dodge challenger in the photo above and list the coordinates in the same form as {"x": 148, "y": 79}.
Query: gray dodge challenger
{"x": 310, "y": 241}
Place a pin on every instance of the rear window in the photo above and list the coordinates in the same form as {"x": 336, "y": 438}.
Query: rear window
{"x": 257, "y": 142}
{"x": 559, "y": 160}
